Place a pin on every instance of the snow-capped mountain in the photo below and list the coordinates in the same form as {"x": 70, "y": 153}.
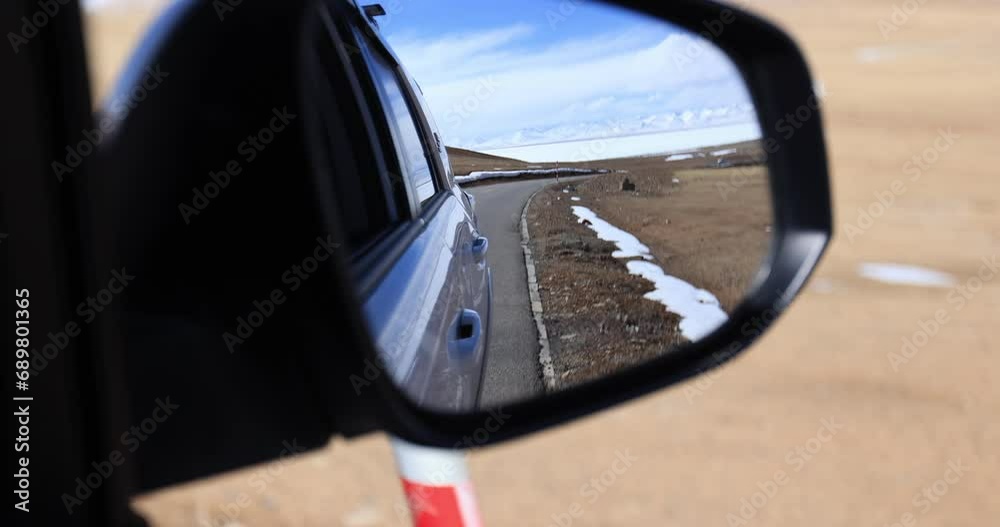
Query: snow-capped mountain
{"x": 636, "y": 125}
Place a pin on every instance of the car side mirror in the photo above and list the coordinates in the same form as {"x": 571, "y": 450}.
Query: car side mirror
{"x": 303, "y": 226}
{"x": 670, "y": 202}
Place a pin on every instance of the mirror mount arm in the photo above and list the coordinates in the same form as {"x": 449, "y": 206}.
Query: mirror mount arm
{"x": 374, "y": 10}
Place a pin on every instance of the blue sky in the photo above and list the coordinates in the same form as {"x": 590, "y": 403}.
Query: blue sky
{"x": 439, "y": 17}
{"x": 511, "y": 72}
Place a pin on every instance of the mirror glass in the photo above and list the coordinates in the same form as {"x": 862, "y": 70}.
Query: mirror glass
{"x": 615, "y": 188}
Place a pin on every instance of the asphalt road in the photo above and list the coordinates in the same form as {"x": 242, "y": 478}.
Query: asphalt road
{"x": 512, "y": 368}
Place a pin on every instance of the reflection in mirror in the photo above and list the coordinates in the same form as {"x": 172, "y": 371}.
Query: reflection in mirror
{"x": 612, "y": 171}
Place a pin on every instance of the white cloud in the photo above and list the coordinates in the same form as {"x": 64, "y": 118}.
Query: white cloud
{"x": 597, "y": 104}
{"x": 429, "y": 59}
{"x": 634, "y": 75}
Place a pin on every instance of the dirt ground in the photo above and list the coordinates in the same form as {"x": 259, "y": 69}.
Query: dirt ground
{"x": 466, "y": 161}
{"x": 596, "y": 317}
{"x": 698, "y": 229}
{"x": 814, "y": 424}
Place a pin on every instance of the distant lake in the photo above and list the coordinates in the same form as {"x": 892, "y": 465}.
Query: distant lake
{"x": 632, "y": 145}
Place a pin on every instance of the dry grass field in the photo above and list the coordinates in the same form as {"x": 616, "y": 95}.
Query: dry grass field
{"x": 597, "y": 319}
{"x": 706, "y": 447}
{"x": 465, "y": 161}
{"x": 711, "y": 242}
{"x": 698, "y": 228}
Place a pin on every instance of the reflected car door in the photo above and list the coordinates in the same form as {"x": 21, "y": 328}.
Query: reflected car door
{"x": 428, "y": 336}
{"x": 476, "y": 279}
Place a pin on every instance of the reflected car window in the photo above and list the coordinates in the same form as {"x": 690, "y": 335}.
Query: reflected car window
{"x": 412, "y": 157}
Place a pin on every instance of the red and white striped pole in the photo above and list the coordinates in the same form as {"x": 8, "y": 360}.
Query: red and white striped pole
{"x": 437, "y": 486}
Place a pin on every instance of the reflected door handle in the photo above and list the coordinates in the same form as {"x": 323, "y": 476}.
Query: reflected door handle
{"x": 470, "y": 329}
{"x": 479, "y": 248}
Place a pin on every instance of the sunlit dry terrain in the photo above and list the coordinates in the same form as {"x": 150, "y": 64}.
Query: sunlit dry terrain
{"x": 692, "y": 225}
{"x": 706, "y": 447}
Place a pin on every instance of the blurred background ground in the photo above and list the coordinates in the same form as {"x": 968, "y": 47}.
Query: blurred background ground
{"x": 706, "y": 446}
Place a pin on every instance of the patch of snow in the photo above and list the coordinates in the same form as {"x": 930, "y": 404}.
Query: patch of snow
{"x": 725, "y": 152}
{"x": 565, "y": 191}
{"x": 628, "y": 246}
{"x": 574, "y": 198}
{"x": 699, "y": 309}
{"x": 497, "y": 174}
{"x": 886, "y": 53}
{"x": 680, "y": 157}
{"x": 581, "y": 148}
{"x": 899, "y": 274}
{"x": 677, "y": 181}
{"x": 704, "y": 297}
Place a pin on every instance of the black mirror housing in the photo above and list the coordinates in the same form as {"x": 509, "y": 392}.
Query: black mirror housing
{"x": 789, "y": 116}
{"x": 316, "y": 359}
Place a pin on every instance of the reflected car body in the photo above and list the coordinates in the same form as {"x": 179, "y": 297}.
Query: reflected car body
{"x": 430, "y": 310}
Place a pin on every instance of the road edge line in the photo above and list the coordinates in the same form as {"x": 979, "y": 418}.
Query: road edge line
{"x": 544, "y": 353}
